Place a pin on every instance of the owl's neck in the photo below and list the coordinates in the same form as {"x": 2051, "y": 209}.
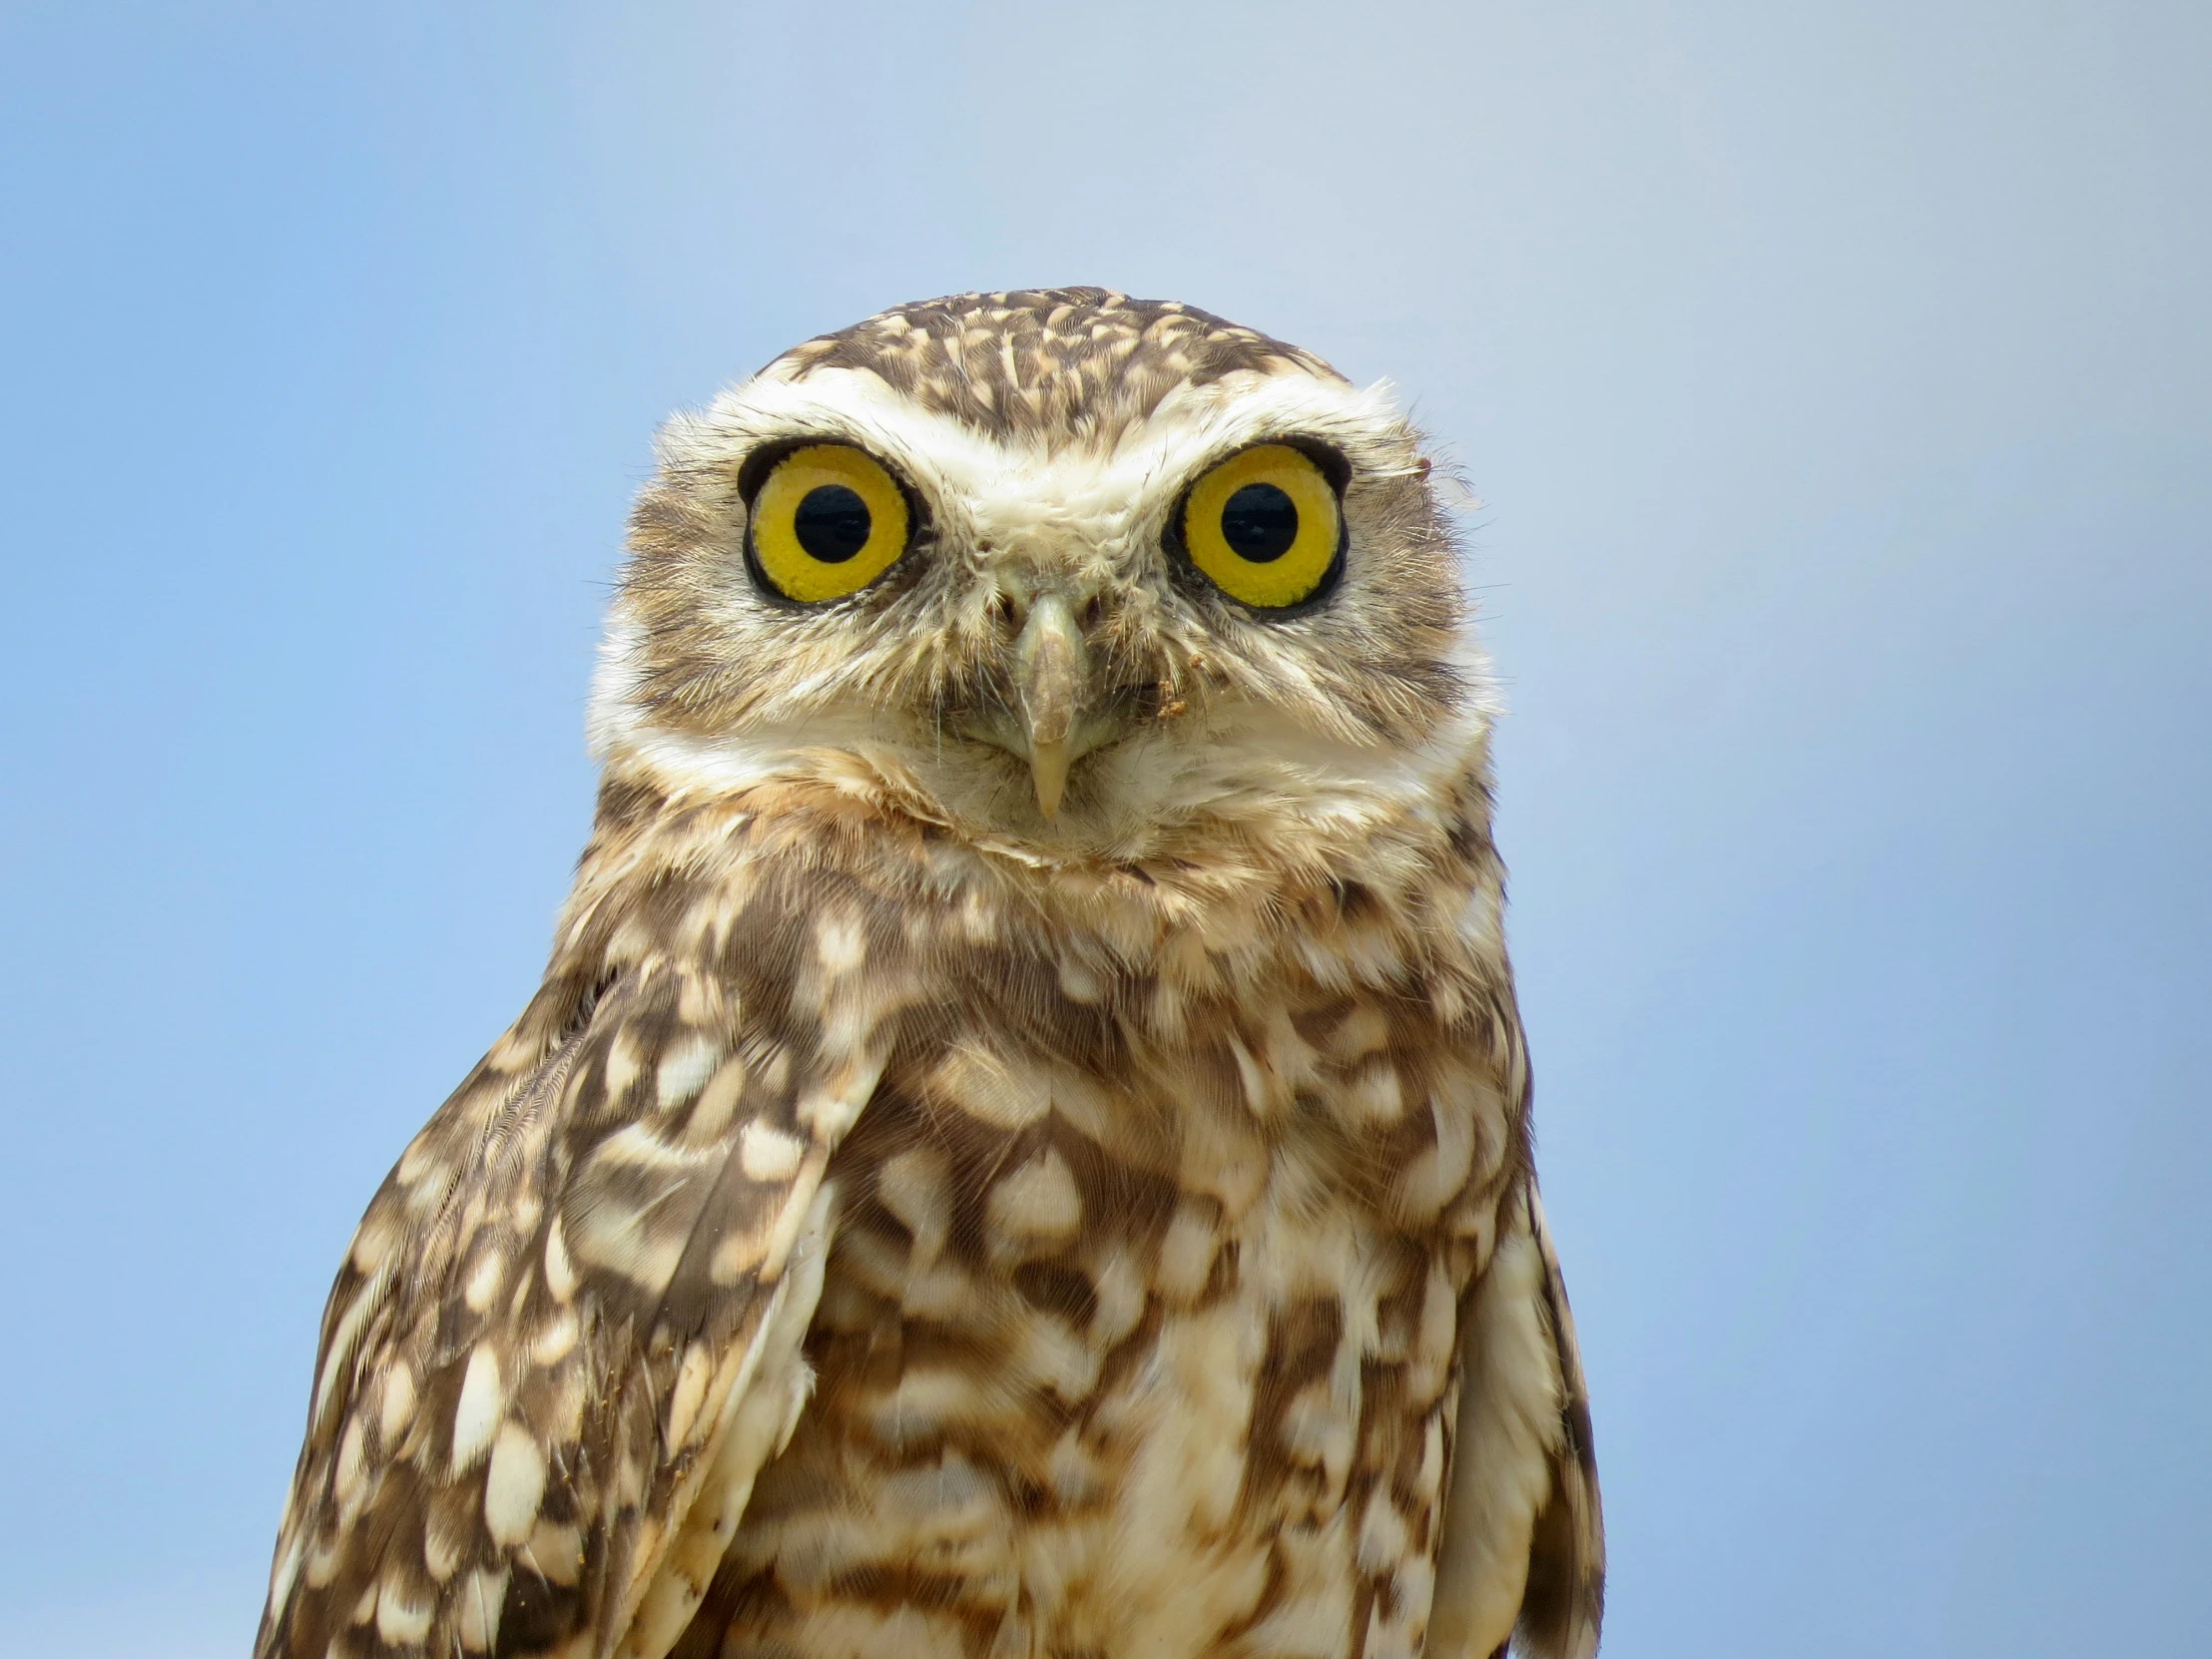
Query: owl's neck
{"x": 1411, "y": 906}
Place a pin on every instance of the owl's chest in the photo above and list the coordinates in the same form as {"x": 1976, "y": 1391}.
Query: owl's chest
{"x": 1114, "y": 1366}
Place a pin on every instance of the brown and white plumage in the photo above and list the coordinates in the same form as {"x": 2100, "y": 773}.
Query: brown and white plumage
{"x": 1022, "y": 1147}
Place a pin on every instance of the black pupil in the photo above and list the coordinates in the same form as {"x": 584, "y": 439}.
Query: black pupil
{"x": 832, "y": 523}
{"x": 1259, "y": 523}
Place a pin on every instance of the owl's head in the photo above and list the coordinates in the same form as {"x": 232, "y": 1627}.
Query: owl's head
{"x": 1057, "y": 571}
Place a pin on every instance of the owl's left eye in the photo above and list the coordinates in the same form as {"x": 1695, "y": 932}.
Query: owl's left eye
{"x": 829, "y": 520}
{"x": 1263, "y": 528}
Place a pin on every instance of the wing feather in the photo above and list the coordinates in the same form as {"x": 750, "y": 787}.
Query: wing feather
{"x": 1522, "y": 1549}
{"x": 567, "y": 1332}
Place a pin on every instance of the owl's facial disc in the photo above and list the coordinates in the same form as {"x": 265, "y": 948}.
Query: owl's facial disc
{"x": 1053, "y": 571}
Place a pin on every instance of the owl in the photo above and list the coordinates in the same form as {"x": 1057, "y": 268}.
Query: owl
{"x": 1022, "y": 1146}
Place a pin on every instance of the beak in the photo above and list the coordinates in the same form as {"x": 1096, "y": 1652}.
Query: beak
{"x": 1051, "y": 668}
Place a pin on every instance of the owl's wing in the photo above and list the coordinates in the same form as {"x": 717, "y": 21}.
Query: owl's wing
{"x": 1522, "y": 1550}
{"x": 566, "y": 1338}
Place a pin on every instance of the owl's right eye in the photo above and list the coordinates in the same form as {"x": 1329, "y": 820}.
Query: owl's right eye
{"x": 829, "y": 520}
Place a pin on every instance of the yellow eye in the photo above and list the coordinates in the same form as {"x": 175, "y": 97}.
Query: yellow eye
{"x": 1263, "y": 528}
{"x": 828, "y": 522}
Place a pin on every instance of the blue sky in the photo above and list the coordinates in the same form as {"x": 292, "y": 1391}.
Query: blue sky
{"x": 1836, "y": 379}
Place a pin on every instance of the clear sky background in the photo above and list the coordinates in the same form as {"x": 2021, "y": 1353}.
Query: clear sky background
{"x": 1836, "y": 376}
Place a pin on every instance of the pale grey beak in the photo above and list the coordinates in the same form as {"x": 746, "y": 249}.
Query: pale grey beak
{"x": 1052, "y": 669}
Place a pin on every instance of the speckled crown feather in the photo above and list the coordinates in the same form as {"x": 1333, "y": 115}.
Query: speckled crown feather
{"x": 1051, "y": 366}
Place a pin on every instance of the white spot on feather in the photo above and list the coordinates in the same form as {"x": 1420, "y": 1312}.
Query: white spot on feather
{"x": 287, "y": 1570}
{"x": 372, "y": 1243}
{"x": 484, "y": 1283}
{"x": 1120, "y": 1296}
{"x": 1187, "y": 1254}
{"x": 765, "y": 1153}
{"x": 1256, "y": 1095}
{"x": 833, "y": 1107}
{"x": 351, "y": 1476}
{"x": 515, "y": 1485}
{"x": 400, "y": 1620}
{"x": 840, "y": 942}
{"x": 685, "y": 1072}
{"x": 558, "y": 1337}
{"x": 988, "y": 1087}
{"x": 1035, "y": 1209}
{"x": 560, "y": 1271}
{"x": 398, "y": 1406}
{"x": 1384, "y": 1537}
{"x": 1377, "y": 1096}
{"x": 476, "y": 1417}
{"x": 1434, "y": 1178}
{"x": 477, "y": 1609}
{"x": 338, "y": 1361}
{"x": 912, "y": 1186}
{"x": 690, "y": 1392}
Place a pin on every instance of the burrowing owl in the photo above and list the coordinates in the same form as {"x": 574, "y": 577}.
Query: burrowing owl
{"x": 1022, "y": 1147}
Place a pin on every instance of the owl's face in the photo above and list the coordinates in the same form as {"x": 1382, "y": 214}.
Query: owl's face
{"x": 1055, "y": 571}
